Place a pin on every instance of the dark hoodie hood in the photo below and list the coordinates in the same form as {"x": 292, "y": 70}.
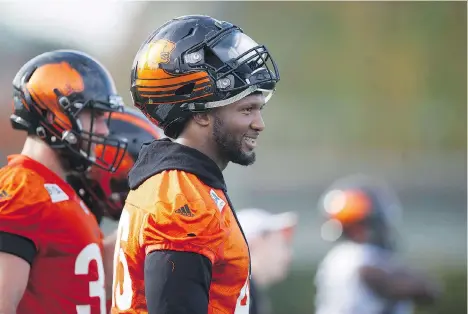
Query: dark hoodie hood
{"x": 164, "y": 154}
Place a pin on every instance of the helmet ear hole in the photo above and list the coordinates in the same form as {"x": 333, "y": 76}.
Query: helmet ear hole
{"x": 187, "y": 89}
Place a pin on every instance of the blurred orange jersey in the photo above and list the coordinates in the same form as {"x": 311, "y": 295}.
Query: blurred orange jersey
{"x": 177, "y": 210}
{"x": 67, "y": 273}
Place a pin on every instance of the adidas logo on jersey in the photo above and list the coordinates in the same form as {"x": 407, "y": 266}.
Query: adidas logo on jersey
{"x": 185, "y": 211}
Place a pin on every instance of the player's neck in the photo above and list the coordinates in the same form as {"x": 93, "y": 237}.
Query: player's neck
{"x": 39, "y": 151}
{"x": 203, "y": 145}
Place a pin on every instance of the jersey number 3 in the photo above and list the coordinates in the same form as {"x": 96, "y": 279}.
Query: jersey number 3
{"x": 91, "y": 252}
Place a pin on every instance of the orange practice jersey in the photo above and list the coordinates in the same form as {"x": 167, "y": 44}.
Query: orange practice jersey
{"x": 67, "y": 273}
{"x": 175, "y": 210}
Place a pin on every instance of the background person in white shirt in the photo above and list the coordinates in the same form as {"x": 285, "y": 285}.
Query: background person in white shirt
{"x": 269, "y": 237}
{"x": 361, "y": 273}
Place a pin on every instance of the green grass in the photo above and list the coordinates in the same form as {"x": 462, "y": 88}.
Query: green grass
{"x": 296, "y": 294}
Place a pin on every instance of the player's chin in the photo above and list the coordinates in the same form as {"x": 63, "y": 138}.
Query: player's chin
{"x": 244, "y": 158}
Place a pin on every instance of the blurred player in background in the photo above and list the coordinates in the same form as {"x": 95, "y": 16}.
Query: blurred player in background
{"x": 51, "y": 247}
{"x": 269, "y": 237}
{"x": 104, "y": 192}
{"x": 180, "y": 249}
{"x": 361, "y": 273}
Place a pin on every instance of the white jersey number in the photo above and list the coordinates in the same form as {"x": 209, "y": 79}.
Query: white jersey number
{"x": 242, "y": 306}
{"x": 122, "y": 300}
{"x": 91, "y": 252}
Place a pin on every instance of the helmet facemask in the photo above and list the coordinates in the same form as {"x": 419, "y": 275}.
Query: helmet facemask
{"x": 66, "y": 131}
{"x": 236, "y": 64}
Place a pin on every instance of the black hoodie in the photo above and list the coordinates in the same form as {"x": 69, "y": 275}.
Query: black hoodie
{"x": 164, "y": 154}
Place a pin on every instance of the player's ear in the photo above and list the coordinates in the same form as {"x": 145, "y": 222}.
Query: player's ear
{"x": 202, "y": 118}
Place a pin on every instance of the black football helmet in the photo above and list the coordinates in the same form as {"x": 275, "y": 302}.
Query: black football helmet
{"x": 104, "y": 192}
{"x": 49, "y": 93}
{"x": 194, "y": 63}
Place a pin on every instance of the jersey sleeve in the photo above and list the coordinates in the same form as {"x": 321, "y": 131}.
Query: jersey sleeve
{"x": 22, "y": 202}
{"x": 183, "y": 219}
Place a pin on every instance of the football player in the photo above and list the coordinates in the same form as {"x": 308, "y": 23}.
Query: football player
{"x": 180, "y": 248}
{"x": 104, "y": 192}
{"x": 361, "y": 273}
{"x": 51, "y": 247}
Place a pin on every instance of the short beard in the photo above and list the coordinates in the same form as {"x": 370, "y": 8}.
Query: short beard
{"x": 230, "y": 148}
